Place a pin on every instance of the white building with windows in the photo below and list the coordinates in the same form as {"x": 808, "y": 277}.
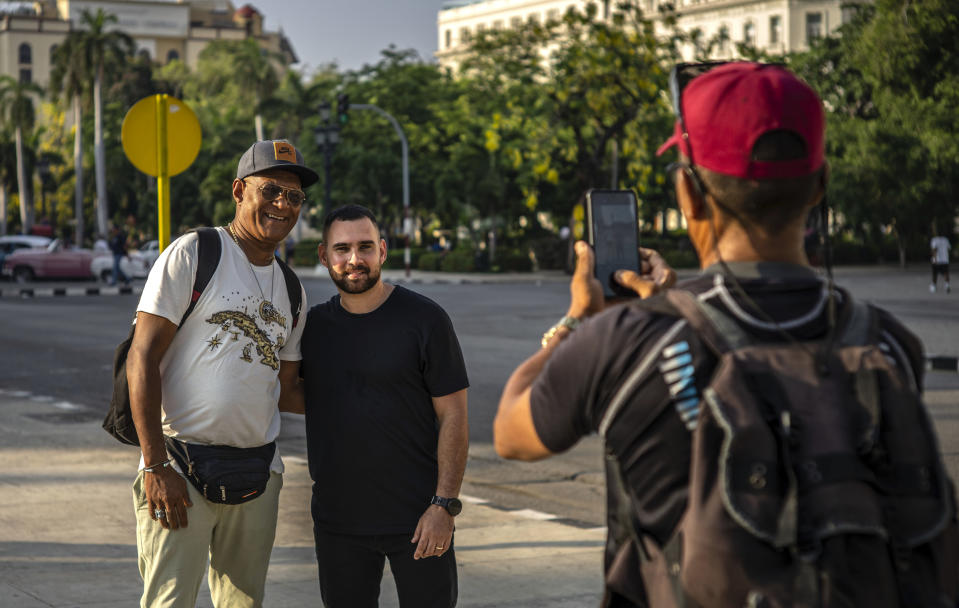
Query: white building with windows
{"x": 163, "y": 30}
{"x": 777, "y": 26}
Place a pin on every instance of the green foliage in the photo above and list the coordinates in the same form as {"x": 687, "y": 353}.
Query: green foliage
{"x": 512, "y": 260}
{"x": 429, "y": 260}
{"x": 305, "y": 253}
{"x": 459, "y": 260}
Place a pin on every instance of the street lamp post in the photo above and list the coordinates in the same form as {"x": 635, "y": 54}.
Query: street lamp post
{"x": 407, "y": 219}
{"x": 327, "y": 136}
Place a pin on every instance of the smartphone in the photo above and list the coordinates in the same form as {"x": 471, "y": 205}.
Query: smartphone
{"x": 612, "y": 229}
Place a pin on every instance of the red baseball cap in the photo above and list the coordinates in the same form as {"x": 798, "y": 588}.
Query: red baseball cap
{"x": 728, "y": 108}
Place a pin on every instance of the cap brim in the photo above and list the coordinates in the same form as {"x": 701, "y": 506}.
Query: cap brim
{"x": 672, "y": 141}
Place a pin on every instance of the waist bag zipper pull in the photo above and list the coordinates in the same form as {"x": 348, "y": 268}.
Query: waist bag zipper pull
{"x": 223, "y": 492}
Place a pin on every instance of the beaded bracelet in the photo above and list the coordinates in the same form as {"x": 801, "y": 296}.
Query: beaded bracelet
{"x": 159, "y": 465}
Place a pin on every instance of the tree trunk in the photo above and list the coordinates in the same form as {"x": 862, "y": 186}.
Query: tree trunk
{"x": 78, "y": 171}
{"x": 258, "y": 121}
{"x": 99, "y": 154}
{"x": 23, "y": 185}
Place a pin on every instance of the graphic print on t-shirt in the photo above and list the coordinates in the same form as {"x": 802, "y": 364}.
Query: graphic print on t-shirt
{"x": 242, "y": 325}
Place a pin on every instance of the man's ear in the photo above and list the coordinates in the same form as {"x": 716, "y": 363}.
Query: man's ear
{"x": 238, "y": 185}
{"x": 382, "y": 251}
{"x": 321, "y": 253}
{"x": 690, "y": 198}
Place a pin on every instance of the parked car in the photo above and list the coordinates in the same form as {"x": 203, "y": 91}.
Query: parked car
{"x": 150, "y": 251}
{"x": 56, "y": 261}
{"x": 11, "y": 243}
{"x": 135, "y": 266}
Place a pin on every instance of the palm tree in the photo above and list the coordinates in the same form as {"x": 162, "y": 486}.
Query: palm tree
{"x": 8, "y": 172}
{"x": 71, "y": 73}
{"x": 17, "y": 105}
{"x": 102, "y": 49}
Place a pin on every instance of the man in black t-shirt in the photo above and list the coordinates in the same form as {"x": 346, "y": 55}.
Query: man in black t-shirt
{"x": 386, "y": 422}
{"x": 751, "y": 138}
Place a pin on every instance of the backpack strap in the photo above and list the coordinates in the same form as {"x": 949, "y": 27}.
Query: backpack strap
{"x": 717, "y": 329}
{"x": 208, "y": 249}
{"x": 293, "y": 290}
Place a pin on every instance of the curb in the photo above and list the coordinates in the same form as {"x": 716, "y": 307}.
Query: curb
{"x": 942, "y": 363}
{"x": 34, "y": 292}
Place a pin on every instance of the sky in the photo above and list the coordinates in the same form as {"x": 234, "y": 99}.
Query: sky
{"x": 351, "y": 32}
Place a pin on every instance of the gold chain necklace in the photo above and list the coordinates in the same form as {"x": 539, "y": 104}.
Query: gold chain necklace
{"x": 268, "y": 312}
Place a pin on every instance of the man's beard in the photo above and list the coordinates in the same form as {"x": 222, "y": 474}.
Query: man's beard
{"x": 355, "y": 286}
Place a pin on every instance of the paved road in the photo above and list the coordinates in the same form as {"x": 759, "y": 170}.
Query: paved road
{"x": 62, "y": 348}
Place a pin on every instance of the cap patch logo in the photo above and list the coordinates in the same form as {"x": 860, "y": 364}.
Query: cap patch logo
{"x": 284, "y": 151}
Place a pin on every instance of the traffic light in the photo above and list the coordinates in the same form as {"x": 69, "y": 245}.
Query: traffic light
{"x": 343, "y": 108}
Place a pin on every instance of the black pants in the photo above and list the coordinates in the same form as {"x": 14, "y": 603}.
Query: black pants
{"x": 351, "y": 568}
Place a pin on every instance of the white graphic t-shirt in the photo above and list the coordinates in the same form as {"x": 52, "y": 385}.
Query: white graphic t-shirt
{"x": 940, "y": 249}
{"x": 220, "y": 374}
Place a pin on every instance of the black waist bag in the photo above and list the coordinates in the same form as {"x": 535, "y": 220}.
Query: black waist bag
{"x": 224, "y": 474}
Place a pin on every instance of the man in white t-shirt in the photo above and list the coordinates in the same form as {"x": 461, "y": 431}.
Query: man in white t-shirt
{"x": 221, "y": 380}
{"x": 939, "y": 246}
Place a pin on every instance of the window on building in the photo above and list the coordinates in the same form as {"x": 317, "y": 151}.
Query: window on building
{"x": 516, "y": 22}
{"x": 813, "y": 26}
{"x": 464, "y": 35}
{"x": 749, "y": 33}
{"x": 172, "y": 55}
{"x": 533, "y": 18}
{"x": 775, "y": 29}
{"x": 480, "y": 27}
{"x": 448, "y": 38}
{"x": 25, "y": 54}
{"x": 143, "y": 54}
{"x": 498, "y": 24}
{"x": 26, "y": 75}
{"x": 849, "y": 12}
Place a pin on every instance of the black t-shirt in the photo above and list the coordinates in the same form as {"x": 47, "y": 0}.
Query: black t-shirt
{"x": 370, "y": 424}
{"x": 569, "y": 398}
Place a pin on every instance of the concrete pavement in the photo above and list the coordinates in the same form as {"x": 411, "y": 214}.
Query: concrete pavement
{"x": 68, "y": 539}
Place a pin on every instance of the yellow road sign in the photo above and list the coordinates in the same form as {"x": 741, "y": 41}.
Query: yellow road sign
{"x": 139, "y": 136}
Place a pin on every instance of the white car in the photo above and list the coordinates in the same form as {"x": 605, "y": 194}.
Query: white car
{"x": 135, "y": 266}
{"x": 150, "y": 252}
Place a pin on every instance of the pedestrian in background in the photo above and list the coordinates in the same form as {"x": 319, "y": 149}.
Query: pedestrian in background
{"x": 118, "y": 246}
{"x": 939, "y": 246}
{"x": 211, "y": 391}
{"x": 386, "y": 427}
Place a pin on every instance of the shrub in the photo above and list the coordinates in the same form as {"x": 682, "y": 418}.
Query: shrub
{"x": 429, "y": 260}
{"x": 459, "y": 260}
{"x": 395, "y": 261}
{"x": 512, "y": 260}
{"x": 304, "y": 253}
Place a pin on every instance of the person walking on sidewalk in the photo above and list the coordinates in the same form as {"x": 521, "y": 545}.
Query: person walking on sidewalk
{"x": 118, "y": 246}
{"x": 386, "y": 427}
{"x": 690, "y": 506}
{"x": 939, "y": 246}
{"x": 212, "y": 392}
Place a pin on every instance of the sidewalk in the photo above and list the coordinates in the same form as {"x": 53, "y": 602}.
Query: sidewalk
{"x": 68, "y": 539}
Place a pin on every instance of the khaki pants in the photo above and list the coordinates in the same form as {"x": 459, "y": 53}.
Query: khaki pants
{"x": 236, "y": 541}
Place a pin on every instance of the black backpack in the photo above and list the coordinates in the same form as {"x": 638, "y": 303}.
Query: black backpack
{"x": 119, "y": 420}
{"x": 815, "y": 479}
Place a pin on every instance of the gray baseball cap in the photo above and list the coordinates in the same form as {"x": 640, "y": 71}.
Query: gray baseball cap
{"x": 275, "y": 154}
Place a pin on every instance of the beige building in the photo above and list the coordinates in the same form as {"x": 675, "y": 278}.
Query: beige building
{"x": 776, "y": 26}
{"x": 162, "y": 30}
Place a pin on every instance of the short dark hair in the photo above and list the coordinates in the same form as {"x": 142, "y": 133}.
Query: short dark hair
{"x": 348, "y": 213}
{"x": 772, "y": 203}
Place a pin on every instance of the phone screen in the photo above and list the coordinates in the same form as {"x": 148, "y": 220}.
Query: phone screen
{"x": 614, "y": 235}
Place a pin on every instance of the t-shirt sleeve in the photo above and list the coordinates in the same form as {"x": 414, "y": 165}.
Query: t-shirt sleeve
{"x": 168, "y": 287}
{"x": 291, "y": 350}
{"x": 444, "y": 369}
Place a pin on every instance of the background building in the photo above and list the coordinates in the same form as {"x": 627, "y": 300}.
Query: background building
{"x": 777, "y": 26}
{"x": 163, "y": 30}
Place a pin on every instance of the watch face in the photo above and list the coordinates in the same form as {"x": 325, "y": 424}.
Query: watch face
{"x": 454, "y": 506}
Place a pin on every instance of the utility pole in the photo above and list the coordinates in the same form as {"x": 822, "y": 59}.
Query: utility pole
{"x": 407, "y": 219}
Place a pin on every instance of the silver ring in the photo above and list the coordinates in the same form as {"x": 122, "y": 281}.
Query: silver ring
{"x": 439, "y": 547}
{"x": 160, "y": 513}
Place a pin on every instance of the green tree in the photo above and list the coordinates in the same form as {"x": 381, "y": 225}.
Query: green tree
{"x": 106, "y": 51}
{"x": 19, "y": 112}
{"x": 68, "y": 84}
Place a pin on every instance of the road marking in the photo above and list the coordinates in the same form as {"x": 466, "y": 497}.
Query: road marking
{"x": 295, "y": 459}
{"x": 36, "y": 292}
{"x": 473, "y": 500}
{"x": 66, "y": 405}
{"x": 533, "y": 514}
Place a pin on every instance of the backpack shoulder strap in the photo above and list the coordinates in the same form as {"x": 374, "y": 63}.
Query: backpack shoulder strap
{"x": 293, "y": 290}
{"x": 720, "y": 332}
{"x": 208, "y": 258}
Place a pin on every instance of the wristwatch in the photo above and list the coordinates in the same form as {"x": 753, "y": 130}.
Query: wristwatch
{"x": 453, "y": 506}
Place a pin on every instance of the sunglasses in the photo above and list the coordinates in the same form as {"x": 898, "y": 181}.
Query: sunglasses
{"x": 270, "y": 192}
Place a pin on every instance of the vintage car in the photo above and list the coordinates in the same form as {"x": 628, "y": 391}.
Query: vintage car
{"x": 150, "y": 251}
{"x": 56, "y": 261}
{"x": 11, "y": 242}
{"x": 135, "y": 266}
